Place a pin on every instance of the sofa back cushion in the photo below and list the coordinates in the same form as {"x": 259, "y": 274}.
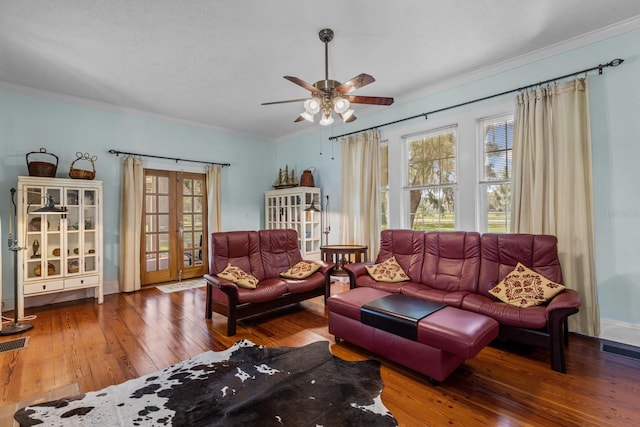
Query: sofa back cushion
{"x": 279, "y": 251}
{"x": 451, "y": 260}
{"x": 500, "y": 253}
{"x": 238, "y": 248}
{"x": 408, "y": 248}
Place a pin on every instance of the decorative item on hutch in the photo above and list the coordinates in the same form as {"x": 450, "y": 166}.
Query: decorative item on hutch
{"x": 81, "y": 173}
{"x": 40, "y": 167}
{"x": 285, "y": 179}
{"x": 306, "y": 179}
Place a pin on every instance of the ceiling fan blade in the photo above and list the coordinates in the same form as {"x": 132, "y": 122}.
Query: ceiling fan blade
{"x": 304, "y": 84}
{"x": 355, "y": 83}
{"x": 298, "y": 119}
{"x": 284, "y": 102}
{"x": 375, "y": 100}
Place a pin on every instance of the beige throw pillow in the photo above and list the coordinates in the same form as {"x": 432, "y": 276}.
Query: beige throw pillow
{"x": 524, "y": 287}
{"x": 301, "y": 270}
{"x": 238, "y": 276}
{"x": 387, "y": 271}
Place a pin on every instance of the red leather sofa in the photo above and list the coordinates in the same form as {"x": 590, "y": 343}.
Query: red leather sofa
{"x": 459, "y": 268}
{"x": 264, "y": 254}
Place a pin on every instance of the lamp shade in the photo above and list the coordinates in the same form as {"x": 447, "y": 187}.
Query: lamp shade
{"x": 49, "y": 206}
{"x": 326, "y": 120}
{"x": 312, "y": 106}
{"x": 340, "y": 105}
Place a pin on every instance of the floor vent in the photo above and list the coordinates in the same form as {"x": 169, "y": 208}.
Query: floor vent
{"x": 17, "y": 344}
{"x": 620, "y": 349}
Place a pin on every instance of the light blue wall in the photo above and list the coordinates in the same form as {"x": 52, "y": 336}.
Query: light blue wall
{"x": 615, "y": 122}
{"x": 28, "y": 122}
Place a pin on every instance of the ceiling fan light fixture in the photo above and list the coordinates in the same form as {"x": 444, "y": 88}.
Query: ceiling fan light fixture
{"x": 326, "y": 120}
{"x": 347, "y": 115}
{"x": 312, "y": 106}
{"x": 340, "y": 105}
{"x": 307, "y": 116}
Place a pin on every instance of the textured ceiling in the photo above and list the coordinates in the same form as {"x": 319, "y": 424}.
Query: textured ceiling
{"x": 214, "y": 62}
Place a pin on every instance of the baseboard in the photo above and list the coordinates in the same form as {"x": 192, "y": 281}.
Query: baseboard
{"x": 620, "y": 332}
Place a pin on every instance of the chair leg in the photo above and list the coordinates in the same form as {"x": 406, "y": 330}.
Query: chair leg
{"x": 207, "y": 308}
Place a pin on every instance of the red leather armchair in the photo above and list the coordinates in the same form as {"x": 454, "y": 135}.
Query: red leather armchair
{"x": 264, "y": 254}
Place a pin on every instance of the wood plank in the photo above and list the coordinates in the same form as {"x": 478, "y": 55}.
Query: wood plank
{"x": 138, "y": 333}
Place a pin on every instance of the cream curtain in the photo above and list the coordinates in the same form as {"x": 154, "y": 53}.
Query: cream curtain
{"x": 214, "y": 199}
{"x": 360, "y": 163}
{"x": 131, "y": 223}
{"x": 552, "y": 185}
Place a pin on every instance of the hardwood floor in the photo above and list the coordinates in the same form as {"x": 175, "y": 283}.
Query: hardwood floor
{"x": 139, "y": 333}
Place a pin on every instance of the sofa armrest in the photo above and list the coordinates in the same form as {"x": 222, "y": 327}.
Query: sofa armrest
{"x": 565, "y": 299}
{"x": 356, "y": 270}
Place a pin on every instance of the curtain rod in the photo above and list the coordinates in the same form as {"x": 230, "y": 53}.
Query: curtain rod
{"x": 117, "y": 153}
{"x": 599, "y": 67}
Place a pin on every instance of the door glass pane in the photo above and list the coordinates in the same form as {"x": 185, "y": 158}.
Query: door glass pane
{"x": 152, "y": 262}
{"x": 163, "y": 223}
{"x": 187, "y": 186}
{"x": 163, "y": 204}
{"x": 163, "y": 185}
{"x": 150, "y": 224}
{"x": 150, "y": 204}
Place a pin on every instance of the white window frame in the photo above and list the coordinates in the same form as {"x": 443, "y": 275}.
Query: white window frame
{"x": 468, "y": 158}
{"x": 408, "y": 188}
{"x": 481, "y": 209}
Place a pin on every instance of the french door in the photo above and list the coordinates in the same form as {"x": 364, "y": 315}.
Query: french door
{"x": 174, "y": 226}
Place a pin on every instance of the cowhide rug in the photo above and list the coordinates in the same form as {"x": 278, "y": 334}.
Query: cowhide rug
{"x": 245, "y": 385}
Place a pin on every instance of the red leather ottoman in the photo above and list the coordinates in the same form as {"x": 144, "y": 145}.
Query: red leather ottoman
{"x": 445, "y": 339}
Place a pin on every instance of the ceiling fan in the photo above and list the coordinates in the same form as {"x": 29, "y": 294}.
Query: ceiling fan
{"x": 328, "y": 96}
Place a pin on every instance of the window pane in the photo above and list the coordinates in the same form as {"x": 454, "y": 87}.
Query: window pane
{"x": 384, "y": 208}
{"x": 497, "y": 146}
{"x": 495, "y": 191}
{"x": 432, "y": 209}
{"x": 163, "y": 185}
{"x": 498, "y": 208}
{"x": 432, "y": 158}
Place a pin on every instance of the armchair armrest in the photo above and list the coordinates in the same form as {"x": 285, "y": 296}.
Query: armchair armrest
{"x": 223, "y": 284}
{"x": 325, "y": 268}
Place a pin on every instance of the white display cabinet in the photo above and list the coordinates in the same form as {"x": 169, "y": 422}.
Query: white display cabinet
{"x": 61, "y": 252}
{"x": 287, "y": 208}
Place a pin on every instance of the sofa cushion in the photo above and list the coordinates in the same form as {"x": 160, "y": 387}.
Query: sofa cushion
{"x": 524, "y": 287}
{"x": 239, "y": 248}
{"x": 387, "y": 271}
{"x": 418, "y": 290}
{"x": 295, "y": 286}
{"x": 451, "y": 260}
{"x": 301, "y": 270}
{"x": 531, "y": 317}
{"x": 238, "y": 276}
{"x": 407, "y": 246}
{"x": 500, "y": 253}
{"x": 279, "y": 251}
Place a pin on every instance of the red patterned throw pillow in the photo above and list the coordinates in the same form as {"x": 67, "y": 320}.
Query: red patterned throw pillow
{"x": 387, "y": 271}
{"x": 238, "y": 276}
{"x": 524, "y": 287}
{"x": 301, "y": 270}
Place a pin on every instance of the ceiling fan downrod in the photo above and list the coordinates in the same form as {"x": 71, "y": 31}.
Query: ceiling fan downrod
{"x": 326, "y": 35}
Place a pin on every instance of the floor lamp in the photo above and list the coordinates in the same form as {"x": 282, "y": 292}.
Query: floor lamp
{"x": 18, "y": 327}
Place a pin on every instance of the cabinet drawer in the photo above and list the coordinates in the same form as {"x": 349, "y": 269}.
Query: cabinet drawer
{"x": 38, "y": 287}
{"x": 81, "y": 282}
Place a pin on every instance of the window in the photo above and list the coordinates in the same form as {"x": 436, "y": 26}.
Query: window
{"x": 494, "y": 213}
{"x": 384, "y": 185}
{"x": 431, "y": 179}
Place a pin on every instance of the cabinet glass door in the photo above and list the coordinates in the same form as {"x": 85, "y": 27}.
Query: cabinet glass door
{"x": 43, "y": 235}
